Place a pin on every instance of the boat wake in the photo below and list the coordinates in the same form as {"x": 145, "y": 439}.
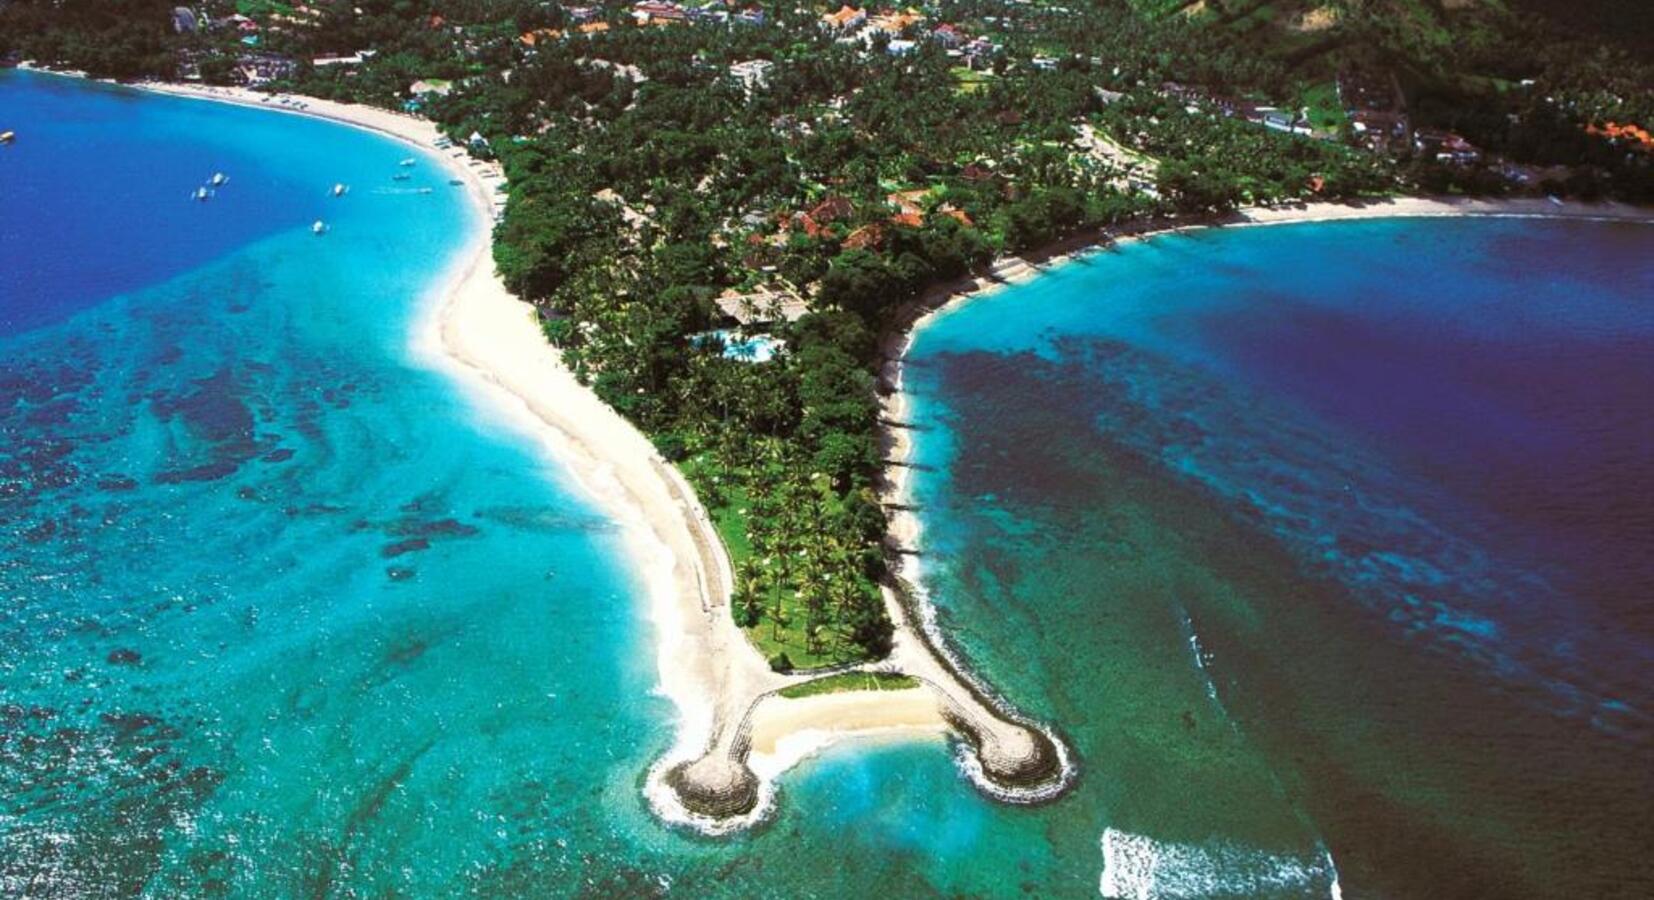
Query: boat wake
{"x": 1136, "y": 867}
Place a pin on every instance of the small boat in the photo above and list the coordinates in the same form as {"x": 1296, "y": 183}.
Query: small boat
{"x": 456, "y": 182}
{"x": 7, "y": 137}
{"x": 407, "y": 162}
{"x": 319, "y": 227}
{"x": 219, "y": 179}
{"x": 339, "y": 190}
{"x": 424, "y": 190}
{"x": 401, "y": 176}
{"x": 201, "y": 193}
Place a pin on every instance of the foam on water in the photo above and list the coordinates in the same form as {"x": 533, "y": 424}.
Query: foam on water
{"x": 1136, "y": 867}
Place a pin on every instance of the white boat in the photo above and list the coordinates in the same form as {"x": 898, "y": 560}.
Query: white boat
{"x": 407, "y": 162}
{"x": 340, "y": 189}
{"x": 319, "y": 227}
{"x": 7, "y": 137}
{"x": 201, "y": 193}
{"x": 219, "y": 179}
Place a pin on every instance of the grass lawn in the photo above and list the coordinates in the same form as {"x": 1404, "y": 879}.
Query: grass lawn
{"x": 970, "y": 79}
{"x": 851, "y": 681}
{"x": 727, "y": 503}
{"x": 1325, "y": 112}
{"x": 789, "y": 638}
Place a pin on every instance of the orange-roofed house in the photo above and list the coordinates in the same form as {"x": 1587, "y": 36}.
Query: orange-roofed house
{"x": 958, "y": 215}
{"x": 822, "y": 214}
{"x": 1635, "y": 135}
{"x": 539, "y": 36}
{"x": 894, "y": 24}
{"x": 846, "y": 19}
{"x": 908, "y": 219}
{"x": 908, "y": 201}
{"x": 594, "y": 28}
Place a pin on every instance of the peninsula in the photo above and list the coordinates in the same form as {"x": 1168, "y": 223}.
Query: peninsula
{"x": 713, "y": 228}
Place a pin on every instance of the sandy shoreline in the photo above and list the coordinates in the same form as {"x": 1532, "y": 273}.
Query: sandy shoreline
{"x": 730, "y": 718}
{"x": 490, "y": 343}
{"x": 904, "y": 536}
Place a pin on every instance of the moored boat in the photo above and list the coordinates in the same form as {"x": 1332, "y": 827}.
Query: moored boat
{"x": 339, "y": 190}
{"x": 319, "y": 227}
{"x": 201, "y": 193}
{"x": 7, "y": 137}
{"x": 407, "y": 162}
{"x": 219, "y": 179}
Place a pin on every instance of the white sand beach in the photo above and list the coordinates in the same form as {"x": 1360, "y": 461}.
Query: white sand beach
{"x": 721, "y": 686}
{"x": 490, "y": 341}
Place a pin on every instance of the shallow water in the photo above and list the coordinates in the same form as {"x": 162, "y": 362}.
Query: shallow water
{"x": 284, "y": 612}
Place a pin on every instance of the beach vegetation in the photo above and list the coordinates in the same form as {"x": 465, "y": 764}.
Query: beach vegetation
{"x": 845, "y": 682}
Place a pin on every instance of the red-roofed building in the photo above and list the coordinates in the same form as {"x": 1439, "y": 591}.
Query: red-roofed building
{"x": 865, "y": 237}
{"x": 824, "y": 213}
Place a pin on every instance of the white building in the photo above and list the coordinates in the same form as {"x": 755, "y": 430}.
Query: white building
{"x": 752, "y": 74}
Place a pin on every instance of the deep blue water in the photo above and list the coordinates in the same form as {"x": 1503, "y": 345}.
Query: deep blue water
{"x": 1391, "y": 482}
{"x": 284, "y": 611}
{"x": 97, "y": 193}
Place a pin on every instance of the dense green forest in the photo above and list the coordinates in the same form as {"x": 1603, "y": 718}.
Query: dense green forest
{"x": 646, "y": 180}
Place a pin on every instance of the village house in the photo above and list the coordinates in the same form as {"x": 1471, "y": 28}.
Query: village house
{"x": 1634, "y": 136}
{"x": 908, "y": 202}
{"x": 1445, "y": 147}
{"x": 654, "y": 12}
{"x": 949, "y": 36}
{"x": 1380, "y": 131}
{"x": 752, "y": 74}
{"x": 183, "y": 20}
{"x": 355, "y": 59}
{"x": 980, "y": 53}
{"x": 1376, "y": 109}
{"x": 539, "y": 37}
{"x": 433, "y": 87}
{"x": 828, "y": 211}
{"x": 894, "y": 24}
{"x": 752, "y": 15}
{"x": 845, "y": 21}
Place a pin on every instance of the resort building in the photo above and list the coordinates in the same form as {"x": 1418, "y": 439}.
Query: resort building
{"x": 761, "y": 305}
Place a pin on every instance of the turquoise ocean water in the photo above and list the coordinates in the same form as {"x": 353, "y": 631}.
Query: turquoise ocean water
{"x": 283, "y": 613}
